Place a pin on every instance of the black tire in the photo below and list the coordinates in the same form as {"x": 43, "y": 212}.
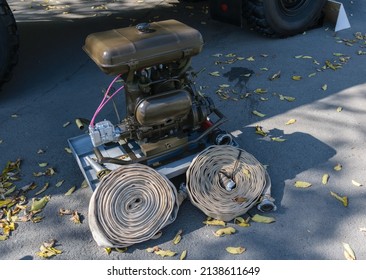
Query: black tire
{"x": 283, "y": 17}
{"x": 9, "y": 42}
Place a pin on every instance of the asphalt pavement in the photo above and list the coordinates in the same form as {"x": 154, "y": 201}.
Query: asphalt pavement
{"x": 56, "y": 82}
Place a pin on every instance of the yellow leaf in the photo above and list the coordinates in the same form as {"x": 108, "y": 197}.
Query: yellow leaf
{"x": 278, "y": 139}
{"x": 287, "y": 98}
{"x": 5, "y": 202}
{"x": 325, "y": 179}
{"x": 302, "y": 184}
{"x": 251, "y": 58}
{"x": 152, "y": 249}
{"x": 330, "y": 65}
{"x": 298, "y": 56}
{"x": 10, "y": 191}
{"x": 263, "y": 69}
{"x": 84, "y": 184}
{"x": 259, "y": 130}
{"x": 339, "y": 109}
{"x": 183, "y": 255}
{"x": 71, "y": 190}
{"x": 235, "y": 250}
{"x": 246, "y": 172}
{"x": 307, "y": 57}
{"x": 121, "y": 250}
{"x": 165, "y": 253}
{"x": 108, "y": 250}
{"x": 357, "y": 184}
{"x": 39, "y": 204}
{"x": 343, "y": 199}
{"x": 296, "y": 78}
{"x": 241, "y": 222}
{"x": 325, "y": 87}
{"x": 263, "y": 219}
{"x": 261, "y": 115}
{"x": 291, "y": 121}
{"x": 68, "y": 150}
{"x": 75, "y": 217}
{"x": 43, "y": 164}
{"x": 312, "y": 75}
{"x": 177, "y": 238}
{"x": 3, "y": 237}
{"x": 260, "y": 91}
{"x": 225, "y": 231}
{"x": 338, "y": 167}
{"x": 214, "y": 222}
{"x": 348, "y": 252}
{"x": 338, "y": 54}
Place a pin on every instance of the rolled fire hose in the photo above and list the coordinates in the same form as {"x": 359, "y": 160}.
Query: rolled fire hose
{"x": 224, "y": 182}
{"x": 131, "y": 205}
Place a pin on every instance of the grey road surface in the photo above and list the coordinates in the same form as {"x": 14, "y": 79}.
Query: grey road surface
{"x": 56, "y": 82}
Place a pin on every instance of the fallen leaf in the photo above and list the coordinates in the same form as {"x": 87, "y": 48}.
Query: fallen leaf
{"x": 71, "y": 190}
{"x": 75, "y": 217}
{"x": 225, "y": 231}
{"x": 261, "y": 115}
{"x": 278, "y": 139}
{"x": 242, "y": 222}
{"x": 10, "y": 191}
{"x": 275, "y": 76}
{"x": 343, "y": 199}
{"x": 235, "y": 250}
{"x": 348, "y": 252}
{"x": 178, "y": 237}
{"x": 299, "y": 56}
{"x": 39, "y": 204}
{"x": 3, "y": 237}
{"x": 260, "y": 91}
{"x": 291, "y": 121}
{"x": 264, "y": 55}
{"x": 287, "y": 98}
{"x": 47, "y": 252}
{"x": 43, "y": 188}
{"x": 264, "y": 69}
{"x": 339, "y": 109}
{"x": 357, "y": 184}
{"x": 338, "y": 54}
{"x": 325, "y": 179}
{"x": 307, "y": 57}
{"x": 183, "y": 255}
{"x": 59, "y": 183}
{"x": 312, "y": 75}
{"x": 38, "y": 174}
{"x": 259, "y": 130}
{"x": 50, "y": 171}
{"x": 214, "y": 222}
{"x": 152, "y": 249}
{"x": 63, "y": 211}
{"x": 215, "y": 74}
{"x": 325, "y": 87}
{"x": 121, "y": 250}
{"x": 251, "y": 58}
{"x": 68, "y": 150}
{"x": 108, "y": 250}
{"x": 302, "y": 184}
{"x": 29, "y": 187}
{"x": 262, "y": 219}
{"x": 330, "y": 65}
{"x": 296, "y": 78}
{"x": 43, "y": 164}
{"x": 165, "y": 253}
{"x": 84, "y": 184}
{"x": 338, "y": 167}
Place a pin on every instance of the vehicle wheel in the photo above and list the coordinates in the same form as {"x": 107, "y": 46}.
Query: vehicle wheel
{"x": 283, "y": 17}
{"x": 9, "y": 42}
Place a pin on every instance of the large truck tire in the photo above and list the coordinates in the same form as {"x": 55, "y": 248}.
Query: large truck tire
{"x": 282, "y": 17}
{"x": 9, "y": 42}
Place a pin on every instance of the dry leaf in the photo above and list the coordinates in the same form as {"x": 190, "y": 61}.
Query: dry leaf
{"x": 325, "y": 179}
{"x": 183, "y": 255}
{"x": 339, "y": 109}
{"x": 152, "y": 249}
{"x": 251, "y": 58}
{"x": 59, "y": 183}
{"x": 50, "y": 171}
{"x": 348, "y": 252}
{"x": 215, "y": 74}
{"x": 278, "y": 139}
{"x": 39, "y": 204}
{"x": 71, "y": 190}
{"x": 165, "y": 253}
{"x": 68, "y": 150}
{"x": 235, "y": 250}
{"x": 178, "y": 237}
{"x": 338, "y": 167}
{"x": 75, "y": 217}
{"x": 63, "y": 211}
{"x": 225, "y": 231}
{"x": 262, "y": 219}
{"x": 325, "y": 87}
{"x": 242, "y": 222}
{"x": 214, "y": 222}
{"x": 296, "y": 78}
{"x": 312, "y": 75}
{"x": 291, "y": 121}
{"x": 287, "y": 98}
{"x": 357, "y": 184}
{"x": 108, "y": 250}
{"x": 43, "y": 188}
{"x": 43, "y": 164}
{"x": 259, "y": 130}
{"x": 343, "y": 199}
{"x": 261, "y": 115}
{"x": 260, "y": 91}
{"x": 3, "y": 237}
{"x": 302, "y": 184}
{"x": 47, "y": 252}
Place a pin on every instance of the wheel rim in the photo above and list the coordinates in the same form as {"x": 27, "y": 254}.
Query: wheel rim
{"x": 292, "y": 7}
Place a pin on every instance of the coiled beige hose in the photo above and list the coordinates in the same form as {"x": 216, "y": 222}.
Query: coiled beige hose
{"x": 131, "y": 205}
{"x": 206, "y": 188}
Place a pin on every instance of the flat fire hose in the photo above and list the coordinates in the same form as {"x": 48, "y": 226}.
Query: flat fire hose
{"x": 224, "y": 182}
{"x": 131, "y": 205}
